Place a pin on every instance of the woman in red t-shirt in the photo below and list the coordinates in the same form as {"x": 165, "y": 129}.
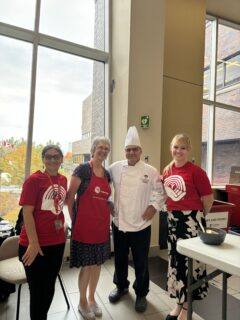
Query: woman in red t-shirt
{"x": 42, "y": 237}
{"x": 90, "y": 245}
{"x": 189, "y": 199}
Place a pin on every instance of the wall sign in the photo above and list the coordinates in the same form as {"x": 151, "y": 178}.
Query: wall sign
{"x": 217, "y": 220}
{"x": 144, "y": 121}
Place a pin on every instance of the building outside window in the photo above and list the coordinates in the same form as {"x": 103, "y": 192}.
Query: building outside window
{"x": 53, "y": 57}
{"x": 221, "y": 96}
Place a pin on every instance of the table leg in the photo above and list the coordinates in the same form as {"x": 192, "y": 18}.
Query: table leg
{"x": 189, "y": 294}
{"x": 224, "y": 296}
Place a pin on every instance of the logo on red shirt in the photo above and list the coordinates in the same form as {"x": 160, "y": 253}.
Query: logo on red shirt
{"x": 175, "y": 187}
{"x": 48, "y": 199}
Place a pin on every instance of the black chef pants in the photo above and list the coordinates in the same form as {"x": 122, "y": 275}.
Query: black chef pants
{"x": 41, "y": 277}
{"x": 139, "y": 243}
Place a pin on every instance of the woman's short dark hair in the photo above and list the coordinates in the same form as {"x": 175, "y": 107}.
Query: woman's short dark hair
{"x": 51, "y": 146}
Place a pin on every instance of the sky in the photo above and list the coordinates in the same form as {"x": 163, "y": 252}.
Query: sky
{"x": 63, "y": 80}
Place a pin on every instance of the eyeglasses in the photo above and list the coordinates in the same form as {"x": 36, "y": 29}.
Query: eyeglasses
{"x": 128, "y": 150}
{"x": 54, "y": 157}
{"x": 103, "y": 148}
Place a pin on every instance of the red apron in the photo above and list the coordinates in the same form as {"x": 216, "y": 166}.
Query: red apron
{"x": 93, "y": 217}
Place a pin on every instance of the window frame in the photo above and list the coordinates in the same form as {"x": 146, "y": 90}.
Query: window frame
{"x": 213, "y": 88}
{"x": 38, "y": 39}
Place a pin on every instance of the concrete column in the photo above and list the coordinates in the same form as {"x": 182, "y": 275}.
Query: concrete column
{"x": 183, "y": 74}
{"x": 137, "y": 70}
{"x": 157, "y": 68}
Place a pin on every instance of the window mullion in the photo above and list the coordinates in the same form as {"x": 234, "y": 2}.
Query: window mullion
{"x": 212, "y": 96}
{"x": 32, "y": 90}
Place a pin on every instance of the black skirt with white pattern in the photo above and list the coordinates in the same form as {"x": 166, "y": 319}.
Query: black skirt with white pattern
{"x": 88, "y": 254}
{"x": 183, "y": 225}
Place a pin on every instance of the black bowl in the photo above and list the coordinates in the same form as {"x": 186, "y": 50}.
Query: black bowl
{"x": 215, "y": 238}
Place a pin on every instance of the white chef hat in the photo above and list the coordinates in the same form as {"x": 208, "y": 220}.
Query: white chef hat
{"x": 132, "y": 138}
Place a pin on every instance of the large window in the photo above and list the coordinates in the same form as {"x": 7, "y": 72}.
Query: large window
{"x": 221, "y": 94}
{"x": 53, "y": 75}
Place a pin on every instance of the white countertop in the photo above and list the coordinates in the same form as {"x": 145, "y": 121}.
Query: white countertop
{"x": 225, "y": 257}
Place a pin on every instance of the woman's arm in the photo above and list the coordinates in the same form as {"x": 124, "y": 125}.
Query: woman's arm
{"x": 158, "y": 196}
{"x": 73, "y": 188}
{"x": 207, "y": 202}
{"x": 33, "y": 248}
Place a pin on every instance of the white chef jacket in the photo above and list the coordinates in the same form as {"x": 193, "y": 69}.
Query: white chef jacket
{"x": 135, "y": 188}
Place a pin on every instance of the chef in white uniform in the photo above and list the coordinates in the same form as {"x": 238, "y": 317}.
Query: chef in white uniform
{"x": 138, "y": 195}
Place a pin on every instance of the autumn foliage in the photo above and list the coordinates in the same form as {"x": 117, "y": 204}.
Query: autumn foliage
{"x": 12, "y": 166}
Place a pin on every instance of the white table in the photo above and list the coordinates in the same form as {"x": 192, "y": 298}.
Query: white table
{"x": 225, "y": 258}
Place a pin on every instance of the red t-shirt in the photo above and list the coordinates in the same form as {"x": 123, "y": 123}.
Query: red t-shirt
{"x": 38, "y": 192}
{"x": 185, "y": 186}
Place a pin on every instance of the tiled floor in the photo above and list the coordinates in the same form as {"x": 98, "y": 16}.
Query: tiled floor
{"x": 159, "y": 303}
{"x": 233, "y": 281}
{"x": 210, "y": 307}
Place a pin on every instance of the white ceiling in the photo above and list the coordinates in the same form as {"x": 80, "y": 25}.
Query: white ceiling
{"x": 228, "y": 9}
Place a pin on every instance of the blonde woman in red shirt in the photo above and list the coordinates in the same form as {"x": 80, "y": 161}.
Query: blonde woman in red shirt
{"x": 189, "y": 199}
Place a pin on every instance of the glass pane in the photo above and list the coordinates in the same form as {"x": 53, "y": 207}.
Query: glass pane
{"x": 68, "y": 103}
{"x": 205, "y": 126}
{"x": 233, "y": 70}
{"x": 79, "y": 21}
{"x": 15, "y": 69}
{"x": 207, "y": 58}
{"x": 18, "y": 13}
{"x": 227, "y": 144}
{"x": 229, "y": 59}
{"x": 220, "y": 75}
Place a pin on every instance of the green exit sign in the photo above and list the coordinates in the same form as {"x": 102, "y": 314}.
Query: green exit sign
{"x": 144, "y": 121}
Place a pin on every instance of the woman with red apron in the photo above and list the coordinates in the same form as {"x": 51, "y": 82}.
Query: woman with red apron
{"x": 90, "y": 245}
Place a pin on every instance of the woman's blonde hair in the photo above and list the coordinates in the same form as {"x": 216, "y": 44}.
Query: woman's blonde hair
{"x": 182, "y": 138}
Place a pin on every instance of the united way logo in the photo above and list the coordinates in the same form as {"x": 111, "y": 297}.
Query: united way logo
{"x": 175, "y": 187}
{"x": 97, "y": 189}
{"x": 48, "y": 199}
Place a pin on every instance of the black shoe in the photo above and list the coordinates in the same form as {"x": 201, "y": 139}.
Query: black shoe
{"x": 141, "y": 304}
{"x": 116, "y": 294}
{"x": 169, "y": 317}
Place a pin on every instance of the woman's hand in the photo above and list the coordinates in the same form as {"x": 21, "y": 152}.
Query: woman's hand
{"x": 73, "y": 188}
{"x": 149, "y": 213}
{"x": 33, "y": 248}
{"x": 111, "y": 208}
{"x": 32, "y": 251}
{"x": 207, "y": 203}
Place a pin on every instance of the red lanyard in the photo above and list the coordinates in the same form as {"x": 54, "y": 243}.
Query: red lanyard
{"x": 91, "y": 165}
{"x": 56, "y": 194}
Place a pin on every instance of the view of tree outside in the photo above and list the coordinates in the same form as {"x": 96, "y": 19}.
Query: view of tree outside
{"x": 12, "y": 174}
{"x": 65, "y": 77}
{"x": 221, "y": 94}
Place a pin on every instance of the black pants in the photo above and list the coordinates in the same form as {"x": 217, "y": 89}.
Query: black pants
{"x": 139, "y": 242}
{"x": 41, "y": 277}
